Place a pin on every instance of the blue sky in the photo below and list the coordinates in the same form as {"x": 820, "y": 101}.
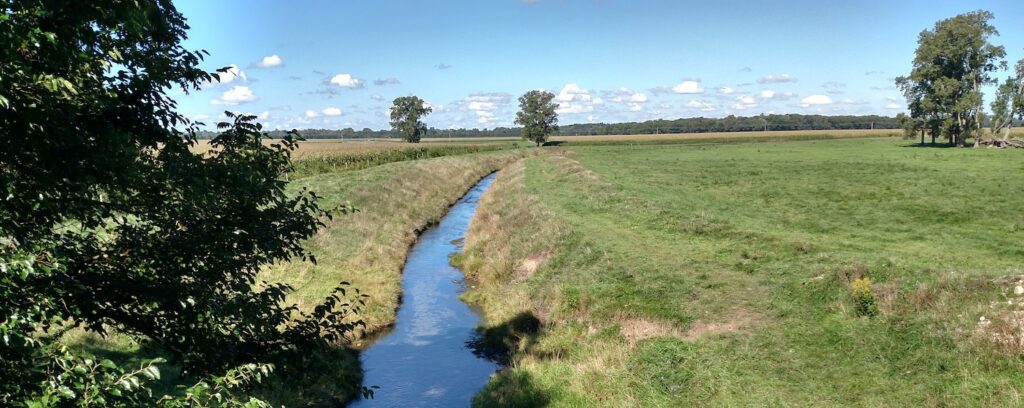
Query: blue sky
{"x": 337, "y": 64}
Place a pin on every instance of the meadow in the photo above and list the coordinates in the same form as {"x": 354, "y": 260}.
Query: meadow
{"x": 724, "y": 275}
{"x": 693, "y": 270}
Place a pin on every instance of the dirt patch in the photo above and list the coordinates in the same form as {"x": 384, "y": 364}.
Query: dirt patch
{"x": 636, "y": 329}
{"x": 1003, "y": 324}
{"x": 529, "y": 265}
{"x": 736, "y": 323}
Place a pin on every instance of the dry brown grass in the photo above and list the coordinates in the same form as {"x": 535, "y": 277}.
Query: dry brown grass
{"x": 509, "y": 239}
{"x": 327, "y": 147}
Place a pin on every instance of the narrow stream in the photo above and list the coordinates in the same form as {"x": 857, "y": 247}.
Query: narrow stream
{"x": 425, "y": 360}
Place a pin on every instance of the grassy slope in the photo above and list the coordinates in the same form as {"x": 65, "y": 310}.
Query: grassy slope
{"x": 718, "y": 275}
{"x": 367, "y": 248}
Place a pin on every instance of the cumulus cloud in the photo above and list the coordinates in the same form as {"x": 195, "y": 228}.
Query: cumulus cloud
{"x": 311, "y": 114}
{"x": 377, "y": 98}
{"x": 230, "y": 75}
{"x": 235, "y": 96}
{"x": 893, "y": 105}
{"x": 386, "y": 81}
{"x": 485, "y": 105}
{"x": 331, "y": 112}
{"x": 745, "y": 102}
{"x": 346, "y": 81}
{"x": 574, "y": 99}
{"x": 815, "y": 100}
{"x": 700, "y": 105}
{"x": 688, "y": 87}
{"x": 271, "y": 61}
{"x": 776, "y": 79}
{"x": 779, "y": 96}
{"x": 726, "y": 90}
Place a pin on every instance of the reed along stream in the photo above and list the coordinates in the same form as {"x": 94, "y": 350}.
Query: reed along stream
{"x": 426, "y": 360}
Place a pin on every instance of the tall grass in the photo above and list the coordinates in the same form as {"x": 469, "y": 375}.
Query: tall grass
{"x": 331, "y": 163}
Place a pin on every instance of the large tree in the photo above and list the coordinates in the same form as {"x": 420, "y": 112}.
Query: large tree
{"x": 538, "y": 115}
{"x": 952, "y": 62}
{"x": 406, "y": 112}
{"x": 112, "y": 220}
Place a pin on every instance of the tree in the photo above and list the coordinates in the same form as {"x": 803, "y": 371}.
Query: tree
{"x": 537, "y": 114}
{"x": 406, "y": 112}
{"x": 951, "y": 63}
{"x": 1009, "y": 102}
{"x": 118, "y": 223}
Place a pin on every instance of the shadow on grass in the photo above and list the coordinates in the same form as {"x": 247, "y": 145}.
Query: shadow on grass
{"x": 553, "y": 143}
{"x": 501, "y": 344}
{"x": 512, "y": 389}
{"x": 932, "y": 146}
{"x": 322, "y": 378}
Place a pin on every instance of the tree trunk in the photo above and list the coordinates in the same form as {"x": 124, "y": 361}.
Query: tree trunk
{"x": 922, "y": 137}
{"x": 1006, "y": 132}
{"x": 977, "y": 117}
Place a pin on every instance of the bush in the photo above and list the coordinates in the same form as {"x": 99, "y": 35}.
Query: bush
{"x": 864, "y": 303}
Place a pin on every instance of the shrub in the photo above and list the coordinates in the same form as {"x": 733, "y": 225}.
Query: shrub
{"x": 864, "y": 303}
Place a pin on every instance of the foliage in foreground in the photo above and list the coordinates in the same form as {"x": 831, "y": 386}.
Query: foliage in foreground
{"x": 109, "y": 221}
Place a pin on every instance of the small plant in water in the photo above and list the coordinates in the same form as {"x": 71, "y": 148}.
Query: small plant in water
{"x": 864, "y": 303}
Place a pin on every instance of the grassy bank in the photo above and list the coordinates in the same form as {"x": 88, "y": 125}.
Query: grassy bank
{"x": 366, "y": 248}
{"x": 721, "y": 275}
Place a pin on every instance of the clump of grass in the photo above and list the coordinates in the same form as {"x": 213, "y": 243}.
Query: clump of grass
{"x": 864, "y": 302}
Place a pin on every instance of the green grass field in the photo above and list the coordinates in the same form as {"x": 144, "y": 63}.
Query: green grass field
{"x": 674, "y": 275}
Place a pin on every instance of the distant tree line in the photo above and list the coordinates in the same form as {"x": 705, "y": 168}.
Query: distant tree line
{"x": 683, "y": 125}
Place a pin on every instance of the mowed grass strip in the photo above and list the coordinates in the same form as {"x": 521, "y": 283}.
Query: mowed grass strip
{"x": 721, "y": 275}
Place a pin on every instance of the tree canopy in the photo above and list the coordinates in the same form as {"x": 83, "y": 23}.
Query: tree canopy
{"x": 109, "y": 221}
{"x": 953, "y": 60}
{"x": 537, "y": 114}
{"x": 406, "y": 112}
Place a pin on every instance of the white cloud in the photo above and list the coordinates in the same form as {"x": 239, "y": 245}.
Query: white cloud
{"x": 484, "y": 105}
{"x": 235, "y": 96}
{"x": 377, "y": 98}
{"x": 770, "y": 94}
{"x": 331, "y": 112}
{"x": 815, "y": 100}
{"x": 199, "y": 116}
{"x": 701, "y": 105}
{"x": 688, "y": 87}
{"x": 574, "y": 99}
{"x": 346, "y": 81}
{"x": 638, "y": 98}
{"x": 726, "y": 90}
{"x": 311, "y": 114}
{"x": 772, "y": 79}
{"x": 893, "y": 105}
{"x": 745, "y": 102}
{"x": 272, "y": 61}
{"x": 265, "y": 115}
{"x": 228, "y": 76}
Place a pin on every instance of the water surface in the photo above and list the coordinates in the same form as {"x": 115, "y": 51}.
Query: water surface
{"x": 425, "y": 360}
